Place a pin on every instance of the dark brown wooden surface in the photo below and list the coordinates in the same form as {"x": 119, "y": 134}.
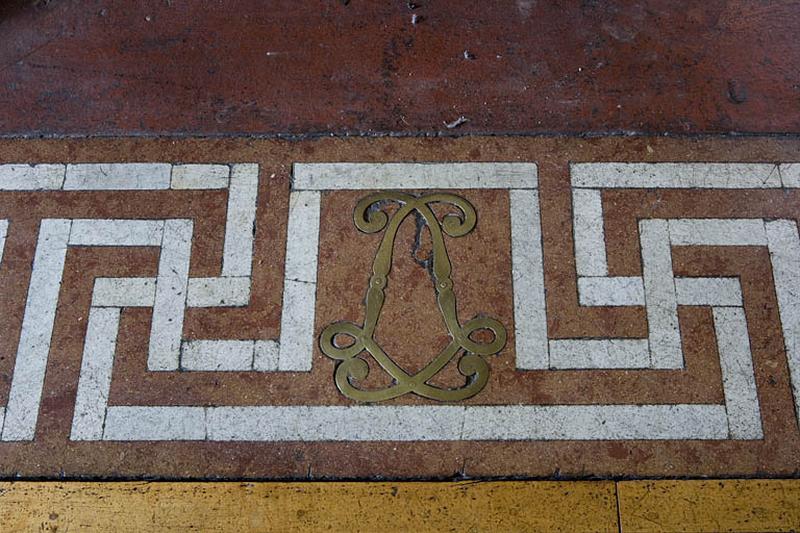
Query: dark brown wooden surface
{"x": 299, "y": 67}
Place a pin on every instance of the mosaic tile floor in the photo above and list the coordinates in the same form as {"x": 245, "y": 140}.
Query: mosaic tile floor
{"x": 420, "y": 246}
{"x": 399, "y": 307}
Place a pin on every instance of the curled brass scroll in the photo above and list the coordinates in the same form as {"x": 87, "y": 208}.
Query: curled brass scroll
{"x": 369, "y": 218}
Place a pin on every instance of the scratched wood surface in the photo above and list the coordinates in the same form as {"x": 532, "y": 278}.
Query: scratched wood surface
{"x": 114, "y": 66}
{"x": 517, "y": 506}
{"x": 635, "y": 506}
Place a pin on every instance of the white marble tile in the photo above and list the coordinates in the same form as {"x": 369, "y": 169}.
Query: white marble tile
{"x": 659, "y": 291}
{"x": 33, "y": 349}
{"x": 434, "y": 422}
{"x": 527, "y": 271}
{"x": 676, "y": 175}
{"x": 237, "y": 256}
{"x": 131, "y": 423}
{"x": 117, "y": 232}
{"x": 195, "y": 176}
{"x": 784, "y": 250}
{"x": 171, "y": 287}
{"x": 738, "y": 379}
{"x": 790, "y": 174}
{"x": 217, "y": 355}
{"x": 95, "y": 376}
{"x": 218, "y": 292}
{"x": 302, "y": 241}
{"x": 597, "y": 422}
{"x": 612, "y": 291}
{"x": 266, "y": 356}
{"x": 335, "y": 423}
{"x": 117, "y": 176}
{"x": 124, "y": 292}
{"x": 370, "y": 176}
{"x": 599, "y": 353}
{"x": 587, "y": 224}
{"x": 21, "y": 177}
{"x": 717, "y": 232}
{"x": 423, "y": 423}
{"x": 708, "y": 291}
{"x": 297, "y": 326}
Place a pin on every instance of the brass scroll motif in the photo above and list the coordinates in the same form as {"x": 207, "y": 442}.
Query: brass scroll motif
{"x": 369, "y": 218}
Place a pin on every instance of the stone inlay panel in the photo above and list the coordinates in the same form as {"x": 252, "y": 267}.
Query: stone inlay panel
{"x": 162, "y": 301}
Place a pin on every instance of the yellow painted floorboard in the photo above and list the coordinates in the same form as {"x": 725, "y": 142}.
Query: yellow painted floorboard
{"x": 644, "y": 506}
{"x": 374, "y": 507}
{"x": 713, "y": 505}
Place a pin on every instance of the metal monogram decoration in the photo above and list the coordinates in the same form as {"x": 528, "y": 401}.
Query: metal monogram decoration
{"x": 369, "y": 218}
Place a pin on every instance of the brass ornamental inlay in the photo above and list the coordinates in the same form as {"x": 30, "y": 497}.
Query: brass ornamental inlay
{"x": 370, "y": 218}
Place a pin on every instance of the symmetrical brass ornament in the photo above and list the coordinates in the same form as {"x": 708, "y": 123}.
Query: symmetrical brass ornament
{"x": 369, "y": 218}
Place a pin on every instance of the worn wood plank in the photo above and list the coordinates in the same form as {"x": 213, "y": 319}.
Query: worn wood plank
{"x": 416, "y": 506}
{"x": 281, "y": 67}
{"x": 710, "y": 505}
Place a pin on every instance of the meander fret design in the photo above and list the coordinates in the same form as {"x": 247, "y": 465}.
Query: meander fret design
{"x": 172, "y": 291}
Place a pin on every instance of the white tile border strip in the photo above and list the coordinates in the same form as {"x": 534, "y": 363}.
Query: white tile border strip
{"x": 709, "y": 291}
{"x": 663, "y": 175}
{"x": 717, "y": 232}
{"x": 790, "y": 174}
{"x": 113, "y": 176}
{"x": 194, "y": 176}
{"x": 784, "y": 251}
{"x": 376, "y": 176}
{"x": 217, "y": 355}
{"x": 300, "y": 282}
{"x": 33, "y": 349}
{"x": 629, "y": 291}
{"x": 659, "y": 293}
{"x": 96, "y": 367}
{"x": 610, "y": 291}
{"x": 237, "y": 255}
{"x": 587, "y": 224}
{"x": 419, "y": 422}
{"x": 738, "y": 378}
{"x": 23, "y": 177}
{"x": 117, "y": 176}
{"x": 527, "y": 270}
{"x": 166, "y": 328}
{"x": 593, "y": 354}
{"x": 218, "y": 292}
{"x": 124, "y": 292}
{"x": 116, "y": 232}
{"x": 296, "y": 346}
{"x": 302, "y": 232}
{"x": 155, "y": 423}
